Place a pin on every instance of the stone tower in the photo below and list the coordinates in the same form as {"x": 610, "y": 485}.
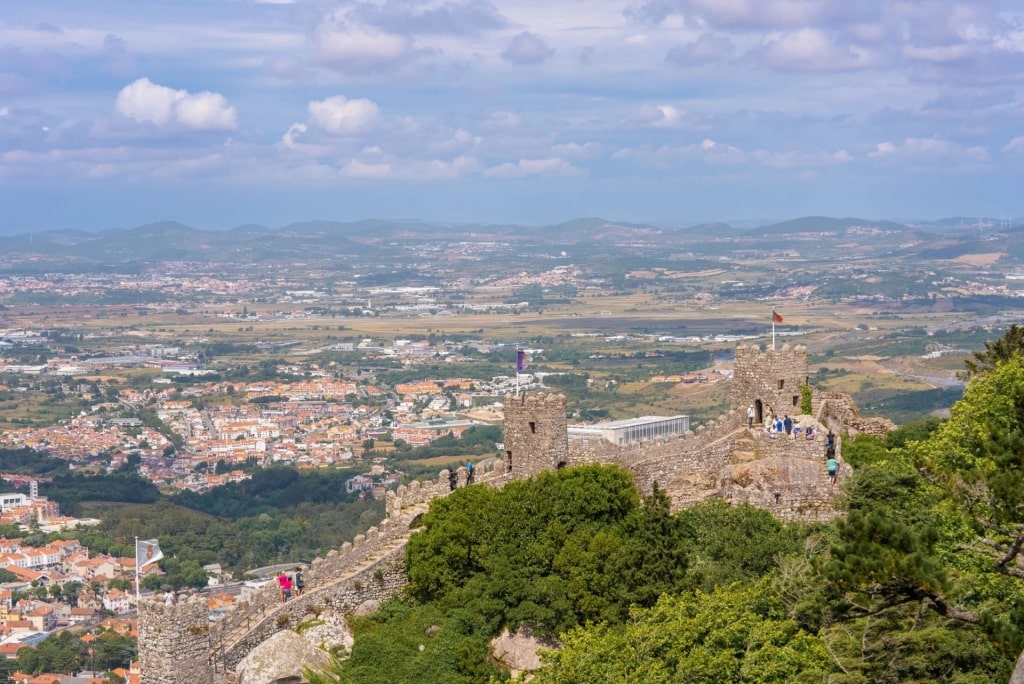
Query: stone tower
{"x": 770, "y": 380}
{"x": 536, "y": 434}
{"x": 174, "y": 642}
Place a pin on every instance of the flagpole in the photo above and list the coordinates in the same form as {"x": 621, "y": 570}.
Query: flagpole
{"x": 773, "y": 329}
{"x": 518, "y": 362}
{"x": 136, "y": 573}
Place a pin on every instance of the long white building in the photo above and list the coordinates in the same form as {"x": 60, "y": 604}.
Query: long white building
{"x": 631, "y": 430}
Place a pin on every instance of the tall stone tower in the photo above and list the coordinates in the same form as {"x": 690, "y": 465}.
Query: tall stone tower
{"x": 174, "y": 642}
{"x": 536, "y": 434}
{"x": 769, "y": 380}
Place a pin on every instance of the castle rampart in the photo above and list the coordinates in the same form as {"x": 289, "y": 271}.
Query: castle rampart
{"x": 174, "y": 642}
{"x": 721, "y": 459}
{"x": 839, "y": 412}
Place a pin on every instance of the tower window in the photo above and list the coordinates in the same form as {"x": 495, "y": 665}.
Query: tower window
{"x": 782, "y": 384}
{"x": 533, "y": 427}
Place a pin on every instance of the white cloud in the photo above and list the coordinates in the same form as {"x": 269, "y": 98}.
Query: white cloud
{"x": 441, "y": 169}
{"x": 883, "y": 149}
{"x": 668, "y": 116}
{"x": 1015, "y": 146}
{"x": 743, "y": 14}
{"x": 145, "y": 101}
{"x": 590, "y": 150}
{"x": 1011, "y": 41}
{"x": 339, "y": 115}
{"x": 295, "y": 130}
{"x": 532, "y": 167}
{"x": 811, "y": 49}
{"x": 207, "y": 111}
{"x": 938, "y": 53}
{"x": 928, "y": 148}
{"x": 358, "y": 169}
{"x": 356, "y": 48}
{"x": 526, "y": 48}
{"x": 713, "y": 152}
{"x": 707, "y": 49}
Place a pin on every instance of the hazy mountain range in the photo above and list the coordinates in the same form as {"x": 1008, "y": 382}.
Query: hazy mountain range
{"x": 171, "y": 241}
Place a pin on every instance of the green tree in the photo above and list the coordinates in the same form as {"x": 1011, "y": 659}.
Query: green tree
{"x": 1008, "y": 346}
{"x": 735, "y": 634}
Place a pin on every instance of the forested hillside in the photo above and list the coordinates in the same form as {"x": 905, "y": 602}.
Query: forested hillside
{"x": 922, "y": 581}
{"x": 280, "y": 515}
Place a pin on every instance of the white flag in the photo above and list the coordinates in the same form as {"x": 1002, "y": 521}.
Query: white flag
{"x": 147, "y": 552}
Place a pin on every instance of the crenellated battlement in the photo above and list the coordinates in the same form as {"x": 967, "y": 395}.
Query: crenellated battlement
{"x": 174, "y": 641}
{"x": 769, "y": 380}
{"x": 840, "y": 413}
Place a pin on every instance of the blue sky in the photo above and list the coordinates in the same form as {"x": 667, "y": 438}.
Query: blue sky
{"x": 222, "y": 112}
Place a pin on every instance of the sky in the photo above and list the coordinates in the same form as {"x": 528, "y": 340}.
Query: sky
{"x": 217, "y": 113}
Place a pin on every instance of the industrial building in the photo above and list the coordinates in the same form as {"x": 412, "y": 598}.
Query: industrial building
{"x": 631, "y": 430}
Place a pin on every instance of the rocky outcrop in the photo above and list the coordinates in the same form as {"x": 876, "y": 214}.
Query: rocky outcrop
{"x": 281, "y": 659}
{"x": 1018, "y": 672}
{"x": 518, "y": 651}
{"x": 330, "y": 632}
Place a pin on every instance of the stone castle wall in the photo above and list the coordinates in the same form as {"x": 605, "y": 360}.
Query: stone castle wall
{"x": 839, "y": 412}
{"x": 704, "y": 450}
{"x": 769, "y": 379}
{"x": 378, "y": 580}
{"x": 174, "y": 642}
{"x": 536, "y": 434}
{"x": 721, "y": 459}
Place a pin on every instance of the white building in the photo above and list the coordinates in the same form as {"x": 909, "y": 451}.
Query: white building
{"x": 631, "y": 430}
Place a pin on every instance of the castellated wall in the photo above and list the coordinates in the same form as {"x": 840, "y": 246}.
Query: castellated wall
{"x": 371, "y": 566}
{"x": 536, "y": 434}
{"x": 673, "y": 461}
{"x": 378, "y": 580}
{"x": 839, "y": 412}
{"x": 174, "y": 642}
{"x": 769, "y": 379}
{"x": 785, "y": 475}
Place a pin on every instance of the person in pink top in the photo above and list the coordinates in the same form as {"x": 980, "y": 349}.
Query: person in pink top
{"x": 286, "y": 585}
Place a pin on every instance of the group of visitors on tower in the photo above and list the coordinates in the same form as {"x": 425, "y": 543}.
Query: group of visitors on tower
{"x": 775, "y": 426}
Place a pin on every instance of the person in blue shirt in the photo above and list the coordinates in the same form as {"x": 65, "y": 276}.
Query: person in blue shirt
{"x": 469, "y": 472}
{"x": 833, "y": 466}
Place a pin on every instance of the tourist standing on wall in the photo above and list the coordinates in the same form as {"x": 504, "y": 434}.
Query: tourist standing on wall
{"x": 750, "y": 417}
{"x": 286, "y": 585}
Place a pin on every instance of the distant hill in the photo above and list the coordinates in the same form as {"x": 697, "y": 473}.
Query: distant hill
{"x": 372, "y": 240}
{"x": 825, "y": 224}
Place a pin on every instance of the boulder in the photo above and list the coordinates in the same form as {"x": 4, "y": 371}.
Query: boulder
{"x": 367, "y": 607}
{"x": 330, "y": 631}
{"x": 281, "y": 659}
{"x": 1018, "y": 672}
{"x": 518, "y": 651}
